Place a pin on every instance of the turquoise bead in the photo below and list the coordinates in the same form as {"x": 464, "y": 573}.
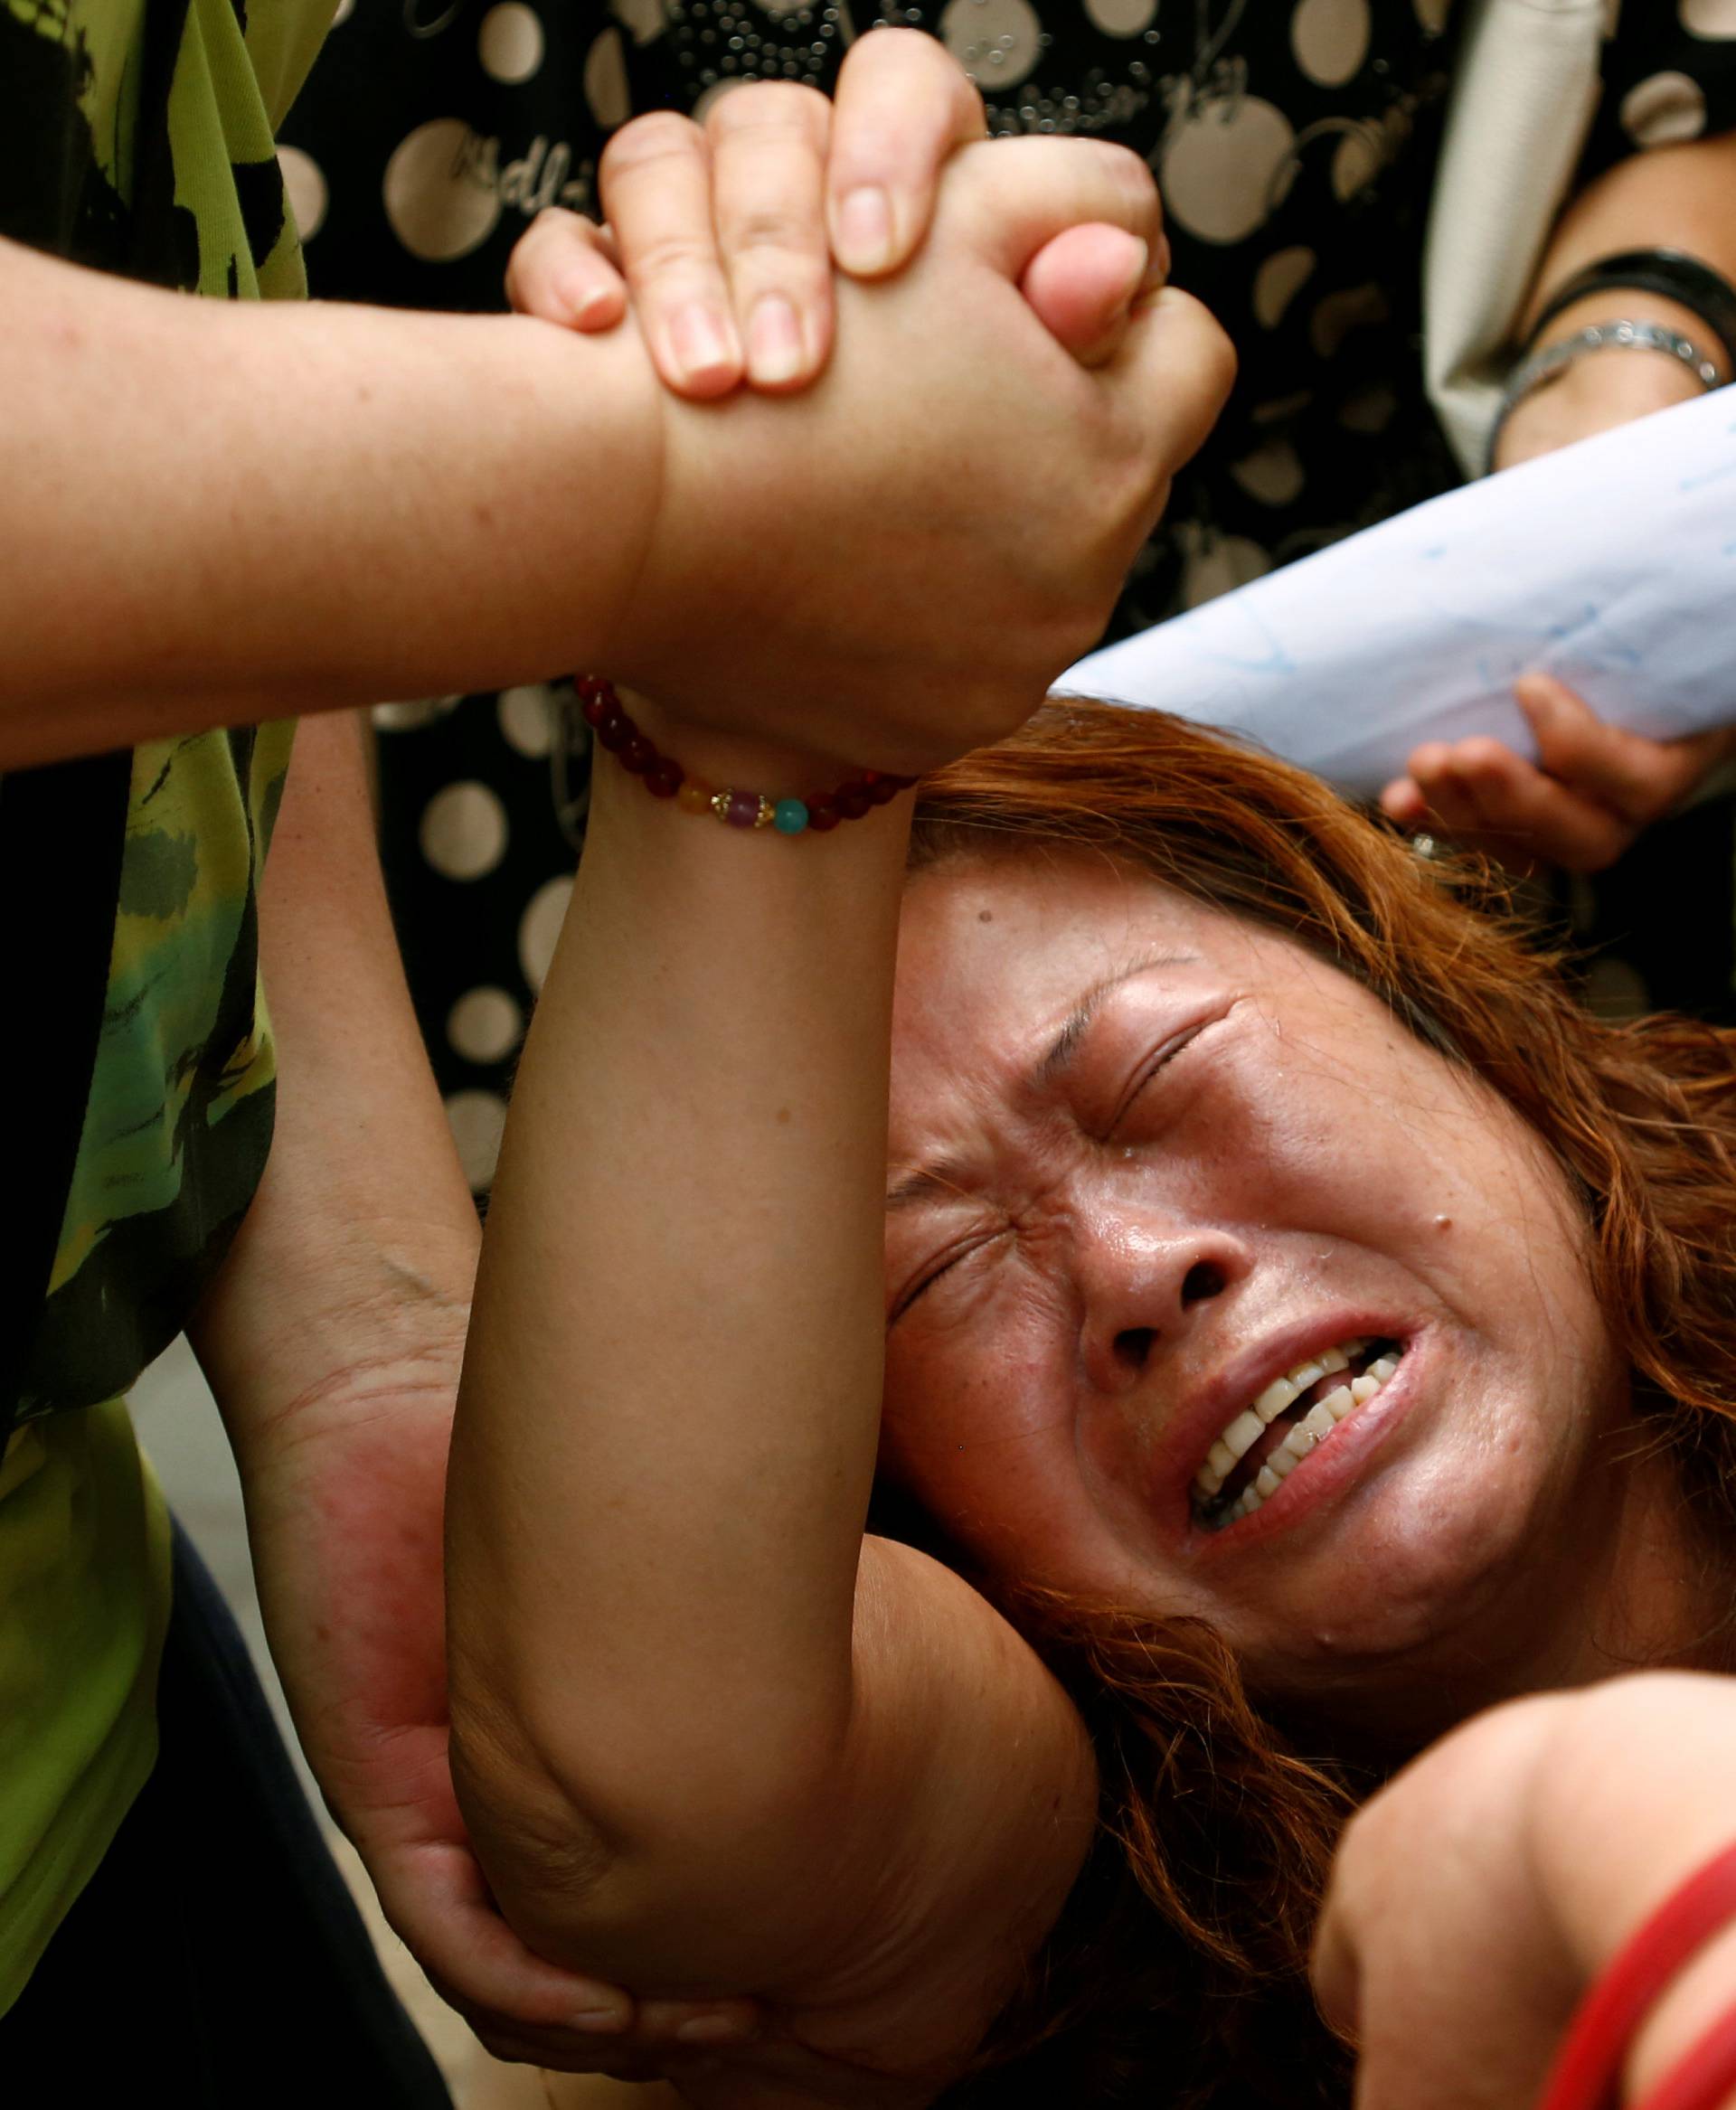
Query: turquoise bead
{"x": 791, "y": 817}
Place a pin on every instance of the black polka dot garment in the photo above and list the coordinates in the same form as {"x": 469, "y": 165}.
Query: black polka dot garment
{"x": 1295, "y": 142}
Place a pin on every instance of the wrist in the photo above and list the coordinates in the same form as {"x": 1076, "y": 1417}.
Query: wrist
{"x": 1640, "y": 1767}
{"x": 382, "y": 1330}
{"x": 748, "y": 785}
{"x": 721, "y": 757}
{"x": 1609, "y": 388}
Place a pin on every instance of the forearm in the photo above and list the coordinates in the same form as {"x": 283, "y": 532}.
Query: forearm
{"x": 1630, "y": 1796}
{"x": 667, "y": 1433}
{"x": 1673, "y": 197}
{"x": 355, "y": 1263}
{"x": 216, "y": 513}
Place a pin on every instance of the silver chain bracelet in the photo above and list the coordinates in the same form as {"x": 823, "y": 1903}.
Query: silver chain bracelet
{"x": 1547, "y": 365}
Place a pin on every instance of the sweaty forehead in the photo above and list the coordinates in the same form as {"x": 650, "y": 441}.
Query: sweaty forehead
{"x": 995, "y": 959}
{"x": 1032, "y": 932}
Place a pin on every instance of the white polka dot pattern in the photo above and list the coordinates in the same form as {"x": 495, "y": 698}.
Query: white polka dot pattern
{"x": 994, "y": 40}
{"x": 1228, "y": 165}
{"x": 478, "y": 1122}
{"x": 1664, "y": 110}
{"x": 606, "y": 88}
{"x": 527, "y": 718}
{"x": 464, "y": 830}
{"x": 406, "y": 717}
{"x": 304, "y": 187}
{"x": 436, "y": 198}
{"x": 1278, "y": 282}
{"x": 1272, "y": 474}
{"x": 643, "y": 19}
{"x": 1330, "y": 39}
{"x": 540, "y": 928}
{"x": 1709, "y": 18}
{"x": 1122, "y": 18}
{"x": 509, "y": 41}
{"x": 485, "y": 1025}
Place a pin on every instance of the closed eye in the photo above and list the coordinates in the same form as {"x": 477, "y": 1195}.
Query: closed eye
{"x": 1177, "y": 1044}
{"x": 944, "y": 1264}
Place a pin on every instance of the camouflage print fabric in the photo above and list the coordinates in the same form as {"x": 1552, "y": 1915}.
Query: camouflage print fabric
{"x": 136, "y": 137}
{"x": 181, "y": 1099}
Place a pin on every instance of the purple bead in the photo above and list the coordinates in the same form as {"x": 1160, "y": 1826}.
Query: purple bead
{"x": 743, "y": 809}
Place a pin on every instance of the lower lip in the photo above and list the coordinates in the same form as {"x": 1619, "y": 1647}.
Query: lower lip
{"x": 1327, "y": 1469}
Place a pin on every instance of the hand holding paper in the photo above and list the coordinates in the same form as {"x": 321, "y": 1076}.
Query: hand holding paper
{"x": 1609, "y": 565}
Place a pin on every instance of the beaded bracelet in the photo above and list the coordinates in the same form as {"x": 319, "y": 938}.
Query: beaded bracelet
{"x": 1586, "y": 2072}
{"x": 664, "y": 777}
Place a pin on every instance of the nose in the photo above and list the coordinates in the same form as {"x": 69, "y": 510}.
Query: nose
{"x": 1143, "y": 1281}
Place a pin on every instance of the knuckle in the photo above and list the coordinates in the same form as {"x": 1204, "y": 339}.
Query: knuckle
{"x": 1487, "y": 764}
{"x": 771, "y": 229}
{"x": 659, "y": 136}
{"x": 767, "y": 105}
{"x": 1128, "y": 173}
{"x": 891, "y": 42}
{"x": 670, "y": 258}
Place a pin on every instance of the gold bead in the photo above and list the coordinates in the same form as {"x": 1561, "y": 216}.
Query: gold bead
{"x": 767, "y": 813}
{"x": 721, "y": 803}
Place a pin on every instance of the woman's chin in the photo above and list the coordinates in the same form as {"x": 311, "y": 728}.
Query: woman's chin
{"x": 1427, "y": 1616}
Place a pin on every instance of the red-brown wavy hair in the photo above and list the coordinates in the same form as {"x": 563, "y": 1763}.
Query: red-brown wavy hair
{"x": 1177, "y": 1975}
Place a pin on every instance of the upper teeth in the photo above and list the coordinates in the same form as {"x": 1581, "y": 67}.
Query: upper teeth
{"x": 1240, "y": 1436}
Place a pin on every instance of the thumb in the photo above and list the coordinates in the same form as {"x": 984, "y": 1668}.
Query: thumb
{"x": 1082, "y": 286}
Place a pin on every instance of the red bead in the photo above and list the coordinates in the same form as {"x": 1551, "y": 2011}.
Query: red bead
{"x": 883, "y": 791}
{"x": 852, "y": 800}
{"x": 595, "y": 709}
{"x": 615, "y": 732}
{"x": 664, "y": 778}
{"x": 589, "y": 685}
{"x": 822, "y": 815}
{"x": 638, "y": 755}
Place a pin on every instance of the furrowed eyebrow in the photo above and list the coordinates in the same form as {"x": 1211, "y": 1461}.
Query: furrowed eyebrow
{"x": 1066, "y": 1045}
{"x": 943, "y": 1177}
{"x": 946, "y": 1175}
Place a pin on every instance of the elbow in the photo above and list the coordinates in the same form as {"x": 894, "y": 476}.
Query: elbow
{"x": 546, "y": 1859}
{"x": 607, "y": 1852}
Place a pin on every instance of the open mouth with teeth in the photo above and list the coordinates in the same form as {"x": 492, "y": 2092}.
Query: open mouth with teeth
{"x": 1256, "y": 1452}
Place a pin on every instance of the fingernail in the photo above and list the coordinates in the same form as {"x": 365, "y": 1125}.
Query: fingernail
{"x": 1157, "y": 271}
{"x": 1140, "y": 283}
{"x": 865, "y": 231}
{"x": 610, "y": 2020}
{"x": 581, "y": 298}
{"x": 774, "y": 341}
{"x": 699, "y": 342}
{"x": 712, "y": 2030}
